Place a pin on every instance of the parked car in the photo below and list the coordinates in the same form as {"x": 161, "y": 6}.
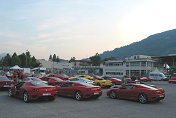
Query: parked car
{"x": 99, "y": 81}
{"x": 5, "y": 82}
{"x": 32, "y": 90}
{"x": 146, "y": 79}
{"x": 34, "y": 79}
{"x": 79, "y": 79}
{"x": 52, "y": 80}
{"x": 86, "y": 76}
{"x": 79, "y": 90}
{"x": 58, "y": 76}
{"x": 138, "y": 92}
{"x": 173, "y": 80}
{"x": 114, "y": 81}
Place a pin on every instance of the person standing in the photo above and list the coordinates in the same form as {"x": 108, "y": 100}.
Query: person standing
{"x": 124, "y": 80}
{"x": 8, "y": 74}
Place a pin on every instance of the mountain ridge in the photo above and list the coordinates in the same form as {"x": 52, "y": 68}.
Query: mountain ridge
{"x": 159, "y": 44}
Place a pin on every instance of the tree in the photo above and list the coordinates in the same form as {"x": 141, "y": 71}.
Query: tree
{"x": 96, "y": 60}
{"x": 50, "y": 57}
{"x": 54, "y": 57}
{"x": 110, "y": 58}
{"x": 6, "y": 61}
{"x": 15, "y": 60}
{"x": 57, "y": 59}
{"x": 23, "y": 59}
{"x": 72, "y": 59}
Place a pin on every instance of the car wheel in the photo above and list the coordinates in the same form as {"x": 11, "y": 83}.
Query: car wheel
{"x": 112, "y": 95}
{"x": 26, "y": 97}
{"x": 78, "y": 95}
{"x": 113, "y": 83}
{"x": 98, "y": 84}
{"x": 10, "y": 92}
{"x": 142, "y": 98}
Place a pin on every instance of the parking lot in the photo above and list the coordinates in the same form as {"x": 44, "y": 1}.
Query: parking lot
{"x": 103, "y": 107}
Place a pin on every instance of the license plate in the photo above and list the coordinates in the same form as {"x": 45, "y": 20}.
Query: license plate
{"x": 46, "y": 94}
{"x": 6, "y": 85}
{"x": 161, "y": 95}
{"x": 96, "y": 93}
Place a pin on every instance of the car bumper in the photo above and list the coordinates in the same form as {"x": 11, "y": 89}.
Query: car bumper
{"x": 92, "y": 94}
{"x": 34, "y": 96}
{"x": 156, "y": 97}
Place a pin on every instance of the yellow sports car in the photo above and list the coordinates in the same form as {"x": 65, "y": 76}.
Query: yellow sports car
{"x": 86, "y": 76}
{"x": 102, "y": 82}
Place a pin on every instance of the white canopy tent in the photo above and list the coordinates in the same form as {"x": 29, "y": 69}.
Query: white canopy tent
{"x": 16, "y": 67}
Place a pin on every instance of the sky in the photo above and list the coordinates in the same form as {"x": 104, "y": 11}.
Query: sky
{"x": 80, "y": 28}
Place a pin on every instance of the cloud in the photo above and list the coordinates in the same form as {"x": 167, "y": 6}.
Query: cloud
{"x": 9, "y": 35}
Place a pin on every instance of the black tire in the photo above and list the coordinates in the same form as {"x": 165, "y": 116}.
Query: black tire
{"x": 25, "y": 97}
{"x": 10, "y": 92}
{"x": 78, "y": 96}
{"x": 113, "y": 83}
{"x": 142, "y": 98}
{"x": 98, "y": 84}
{"x": 113, "y": 95}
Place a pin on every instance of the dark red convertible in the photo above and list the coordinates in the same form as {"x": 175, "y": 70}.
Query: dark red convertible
{"x": 138, "y": 92}
{"x": 79, "y": 90}
{"x": 5, "y": 82}
{"x": 115, "y": 81}
{"x": 32, "y": 90}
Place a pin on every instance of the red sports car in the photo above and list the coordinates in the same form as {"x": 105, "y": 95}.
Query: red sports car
{"x": 146, "y": 79}
{"x": 58, "y": 76}
{"x": 32, "y": 90}
{"x": 79, "y": 90}
{"x": 5, "y": 82}
{"x": 173, "y": 80}
{"x": 138, "y": 92}
{"x": 115, "y": 81}
{"x": 52, "y": 80}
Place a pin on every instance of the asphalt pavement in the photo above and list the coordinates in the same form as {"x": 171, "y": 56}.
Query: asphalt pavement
{"x": 104, "y": 107}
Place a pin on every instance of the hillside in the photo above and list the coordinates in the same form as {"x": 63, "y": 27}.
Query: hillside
{"x": 155, "y": 45}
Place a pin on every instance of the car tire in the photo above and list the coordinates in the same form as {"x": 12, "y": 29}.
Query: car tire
{"x": 113, "y": 83}
{"x": 98, "y": 84}
{"x": 10, "y": 93}
{"x": 25, "y": 97}
{"x": 78, "y": 96}
{"x": 113, "y": 95}
{"x": 142, "y": 98}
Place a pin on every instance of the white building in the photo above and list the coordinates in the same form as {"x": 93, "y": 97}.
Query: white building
{"x": 137, "y": 65}
{"x": 56, "y": 67}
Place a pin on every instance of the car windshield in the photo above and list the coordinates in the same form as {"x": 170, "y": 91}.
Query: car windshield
{"x": 57, "y": 79}
{"x": 85, "y": 84}
{"x": 38, "y": 84}
{"x": 36, "y": 79}
{"x": 147, "y": 86}
{"x": 4, "y": 78}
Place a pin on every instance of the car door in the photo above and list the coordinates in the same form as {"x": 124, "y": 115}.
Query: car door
{"x": 64, "y": 89}
{"x": 131, "y": 92}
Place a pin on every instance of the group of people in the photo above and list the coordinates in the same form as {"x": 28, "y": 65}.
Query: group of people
{"x": 17, "y": 75}
{"x": 133, "y": 78}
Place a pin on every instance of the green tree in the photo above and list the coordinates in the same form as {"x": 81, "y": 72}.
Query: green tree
{"x": 6, "y": 61}
{"x": 72, "y": 59}
{"x": 22, "y": 59}
{"x": 54, "y": 57}
{"x": 50, "y": 57}
{"x": 110, "y": 58}
{"x": 15, "y": 60}
{"x": 96, "y": 60}
{"x": 57, "y": 59}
